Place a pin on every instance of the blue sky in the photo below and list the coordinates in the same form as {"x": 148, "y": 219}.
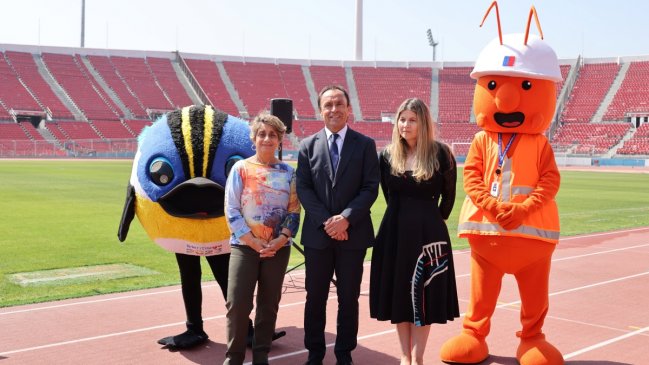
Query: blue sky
{"x": 394, "y": 30}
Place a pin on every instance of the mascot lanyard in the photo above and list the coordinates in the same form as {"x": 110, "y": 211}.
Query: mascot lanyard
{"x": 501, "y": 153}
{"x": 495, "y": 189}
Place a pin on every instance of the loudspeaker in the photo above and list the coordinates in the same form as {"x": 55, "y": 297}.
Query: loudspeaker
{"x": 283, "y": 109}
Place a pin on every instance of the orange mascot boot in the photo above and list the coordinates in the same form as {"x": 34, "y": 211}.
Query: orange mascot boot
{"x": 509, "y": 215}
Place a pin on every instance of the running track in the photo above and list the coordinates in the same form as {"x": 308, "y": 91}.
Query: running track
{"x": 598, "y": 315}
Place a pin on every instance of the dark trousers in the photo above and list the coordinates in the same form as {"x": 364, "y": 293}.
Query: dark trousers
{"x": 321, "y": 264}
{"x": 190, "y": 278}
{"x": 247, "y": 271}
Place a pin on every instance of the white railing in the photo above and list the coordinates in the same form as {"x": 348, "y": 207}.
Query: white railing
{"x": 112, "y": 148}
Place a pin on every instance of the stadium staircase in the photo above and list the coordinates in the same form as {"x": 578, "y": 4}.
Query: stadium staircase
{"x": 456, "y": 89}
{"x": 97, "y": 87}
{"x": 434, "y": 94}
{"x": 184, "y": 80}
{"x": 638, "y": 144}
{"x": 610, "y": 95}
{"x": 125, "y": 111}
{"x": 133, "y": 107}
{"x": 633, "y": 95}
{"x": 136, "y": 74}
{"x": 232, "y": 91}
{"x": 48, "y": 136}
{"x": 353, "y": 94}
{"x": 590, "y": 88}
{"x": 78, "y": 87}
{"x": 165, "y": 79}
{"x": 613, "y": 150}
{"x": 72, "y": 111}
{"x": 294, "y": 83}
{"x": 311, "y": 89}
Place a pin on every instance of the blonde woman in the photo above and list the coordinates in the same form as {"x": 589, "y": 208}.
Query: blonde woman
{"x": 412, "y": 282}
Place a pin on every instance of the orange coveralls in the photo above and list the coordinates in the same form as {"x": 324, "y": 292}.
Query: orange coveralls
{"x": 530, "y": 179}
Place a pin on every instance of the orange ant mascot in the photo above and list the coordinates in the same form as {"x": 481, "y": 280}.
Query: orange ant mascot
{"x": 510, "y": 216}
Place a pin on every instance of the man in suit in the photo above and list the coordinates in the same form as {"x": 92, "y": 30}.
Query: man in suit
{"x": 337, "y": 183}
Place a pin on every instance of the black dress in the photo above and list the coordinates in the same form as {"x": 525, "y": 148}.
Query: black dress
{"x": 412, "y": 277}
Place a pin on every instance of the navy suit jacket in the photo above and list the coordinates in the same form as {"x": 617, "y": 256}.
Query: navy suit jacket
{"x": 351, "y": 193}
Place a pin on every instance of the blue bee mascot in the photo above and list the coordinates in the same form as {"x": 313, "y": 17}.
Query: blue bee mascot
{"x": 177, "y": 192}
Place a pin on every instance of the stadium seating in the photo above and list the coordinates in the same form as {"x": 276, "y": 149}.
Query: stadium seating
{"x": 565, "y": 70}
{"x": 165, "y": 74}
{"x": 328, "y": 75}
{"x": 455, "y": 95}
{"x": 13, "y": 93}
{"x": 31, "y": 131}
{"x": 136, "y": 126}
{"x": 591, "y": 86}
{"x": 143, "y": 87}
{"x": 257, "y": 83}
{"x": 295, "y": 85}
{"x": 382, "y": 89}
{"x": 633, "y": 95}
{"x": 207, "y": 75}
{"x": 305, "y": 128}
{"x": 381, "y": 132}
{"x": 111, "y": 129}
{"x": 100, "y": 90}
{"x": 135, "y": 73}
{"x": 77, "y": 130}
{"x": 12, "y": 131}
{"x": 107, "y": 72}
{"x": 591, "y": 138}
{"x": 638, "y": 144}
{"x": 25, "y": 67}
{"x": 78, "y": 85}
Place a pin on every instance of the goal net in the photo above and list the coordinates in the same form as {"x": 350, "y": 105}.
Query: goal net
{"x": 460, "y": 148}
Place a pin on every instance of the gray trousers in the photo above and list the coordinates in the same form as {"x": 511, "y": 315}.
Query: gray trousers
{"x": 246, "y": 271}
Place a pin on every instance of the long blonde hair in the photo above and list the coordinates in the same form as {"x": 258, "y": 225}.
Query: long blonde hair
{"x": 426, "y": 162}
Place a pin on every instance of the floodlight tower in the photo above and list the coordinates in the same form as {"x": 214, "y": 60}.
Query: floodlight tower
{"x": 83, "y": 22}
{"x": 359, "y": 30}
{"x": 432, "y": 43}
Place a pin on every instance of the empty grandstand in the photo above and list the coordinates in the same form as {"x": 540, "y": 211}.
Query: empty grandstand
{"x": 61, "y": 102}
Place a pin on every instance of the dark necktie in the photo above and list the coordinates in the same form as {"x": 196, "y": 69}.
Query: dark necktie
{"x": 333, "y": 152}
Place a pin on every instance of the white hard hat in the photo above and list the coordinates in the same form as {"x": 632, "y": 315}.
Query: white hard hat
{"x": 514, "y": 58}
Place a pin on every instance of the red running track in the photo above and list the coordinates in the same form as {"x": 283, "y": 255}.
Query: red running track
{"x": 598, "y": 315}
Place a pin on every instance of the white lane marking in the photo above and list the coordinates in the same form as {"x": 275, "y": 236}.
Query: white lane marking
{"x": 605, "y": 343}
{"x": 86, "y": 339}
{"x": 301, "y": 273}
{"x": 598, "y": 253}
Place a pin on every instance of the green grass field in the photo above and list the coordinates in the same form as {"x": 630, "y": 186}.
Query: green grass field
{"x": 61, "y": 214}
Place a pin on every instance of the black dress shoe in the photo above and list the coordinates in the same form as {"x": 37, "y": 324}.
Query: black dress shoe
{"x": 251, "y": 337}
{"x": 311, "y": 362}
{"x": 345, "y": 362}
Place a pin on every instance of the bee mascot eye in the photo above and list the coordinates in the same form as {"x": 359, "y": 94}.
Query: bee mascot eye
{"x": 160, "y": 171}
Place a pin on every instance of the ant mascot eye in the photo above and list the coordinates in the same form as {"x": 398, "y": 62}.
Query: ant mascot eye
{"x": 526, "y": 85}
{"x": 491, "y": 85}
